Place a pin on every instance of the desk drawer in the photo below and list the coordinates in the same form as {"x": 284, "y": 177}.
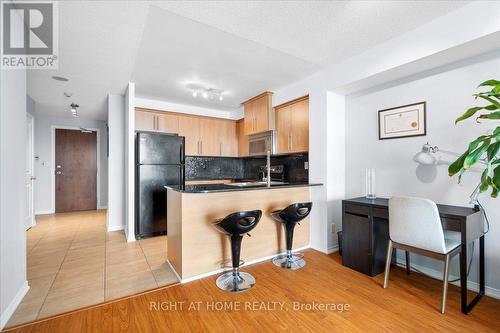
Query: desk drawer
{"x": 380, "y": 212}
{"x": 450, "y": 224}
{"x": 356, "y": 209}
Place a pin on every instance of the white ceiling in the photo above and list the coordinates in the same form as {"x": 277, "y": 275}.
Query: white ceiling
{"x": 241, "y": 47}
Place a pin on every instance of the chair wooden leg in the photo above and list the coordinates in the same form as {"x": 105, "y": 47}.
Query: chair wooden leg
{"x": 388, "y": 263}
{"x": 407, "y": 262}
{"x": 445, "y": 281}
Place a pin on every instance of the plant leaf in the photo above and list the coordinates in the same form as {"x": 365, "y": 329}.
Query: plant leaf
{"x": 485, "y": 181}
{"x": 489, "y": 83}
{"x": 469, "y": 113}
{"x": 493, "y": 151}
{"x": 496, "y": 178}
{"x": 494, "y": 192}
{"x": 458, "y": 165}
{"x": 491, "y": 100}
{"x": 494, "y": 115}
{"x": 475, "y": 155}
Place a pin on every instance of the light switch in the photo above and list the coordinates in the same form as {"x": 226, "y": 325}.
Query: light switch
{"x": 306, "y": 165}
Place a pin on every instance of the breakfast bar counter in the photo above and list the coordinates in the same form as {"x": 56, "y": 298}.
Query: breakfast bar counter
{"x": 195, "y": 248}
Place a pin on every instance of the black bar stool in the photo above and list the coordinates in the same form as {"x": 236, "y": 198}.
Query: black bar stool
{"x": 290, "y": 216}
{"x": 236, "y": 225}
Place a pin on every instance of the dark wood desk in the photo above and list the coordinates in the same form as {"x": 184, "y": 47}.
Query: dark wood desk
{"x": 365, "y": 235}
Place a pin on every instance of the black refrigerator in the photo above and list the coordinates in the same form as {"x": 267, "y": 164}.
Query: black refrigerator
{"x": 159, "y": 162}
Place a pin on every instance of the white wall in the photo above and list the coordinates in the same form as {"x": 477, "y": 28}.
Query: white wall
{"x": 116, "y": 163}
{"x": 43, "y": 166}
{"x": 447, "y": 95}
{"x": 129, "y": 162}
{"x": 13, "y": 283}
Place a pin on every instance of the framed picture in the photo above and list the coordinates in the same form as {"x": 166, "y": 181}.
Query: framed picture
{"x": 402, "y": 121}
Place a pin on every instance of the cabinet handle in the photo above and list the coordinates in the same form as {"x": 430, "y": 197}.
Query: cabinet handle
{"x": 201, "y": 147}
{"x": 220, "y": 148}
{"x": 291, "y": 141}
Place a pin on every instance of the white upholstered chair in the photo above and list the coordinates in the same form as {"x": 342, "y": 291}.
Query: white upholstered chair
{"x": 415, "y": 226}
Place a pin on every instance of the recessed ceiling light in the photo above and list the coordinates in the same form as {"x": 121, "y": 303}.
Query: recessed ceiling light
{"x": 195, "y": 93}
{"x": 205, "y": 94}
{"x": 60, "y": 78}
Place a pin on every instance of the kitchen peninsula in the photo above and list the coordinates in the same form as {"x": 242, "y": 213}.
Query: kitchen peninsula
{"x": 196, "y": 248}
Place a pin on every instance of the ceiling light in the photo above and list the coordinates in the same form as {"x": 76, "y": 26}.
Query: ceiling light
{"x": 74, "y": 109}
{"x": 220, "y": 98}
{"x": 60, "y": 78}
{"x": 205, "y": 95}
{"x": 195, "y": 93}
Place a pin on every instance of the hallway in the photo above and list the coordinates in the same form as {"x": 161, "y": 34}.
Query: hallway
{"x": 73, "y": 262}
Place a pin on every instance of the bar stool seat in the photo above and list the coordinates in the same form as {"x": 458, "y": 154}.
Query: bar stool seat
{"x": 236, "y": 225}
{"x": 289, "y": 217}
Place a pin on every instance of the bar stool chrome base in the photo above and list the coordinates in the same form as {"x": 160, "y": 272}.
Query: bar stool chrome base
{"x": 235, "y": 281}
{"x": 290, "y": 261}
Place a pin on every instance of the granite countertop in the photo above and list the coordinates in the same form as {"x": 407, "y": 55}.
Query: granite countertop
{"x": 209, "y": 188}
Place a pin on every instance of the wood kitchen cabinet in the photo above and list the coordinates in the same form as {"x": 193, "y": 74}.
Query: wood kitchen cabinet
{"x": 259, "y": 114}
{"x": 167, "y": 123}
{"x": 189, "y": 127}
{"x": 145, "y": 121}
{"x": 158, "y": 121}
{"x": 205, "y": 136}
{"x": 242, "y": 138}
{"x": 292, "y": 126}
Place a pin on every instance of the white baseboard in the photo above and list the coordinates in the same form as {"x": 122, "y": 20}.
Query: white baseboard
{"x": 221, "y": 270}
{"x": 9, "y": 311}
{"x": 332, "y": 249}
{"x": 116, "y": 228}
{"x": 102, "y": 207}
{"x": 44, "y": 212}
{"x": 471, "y": 285}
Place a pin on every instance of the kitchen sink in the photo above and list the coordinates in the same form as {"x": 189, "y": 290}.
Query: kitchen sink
{"x": 255, "y": 183}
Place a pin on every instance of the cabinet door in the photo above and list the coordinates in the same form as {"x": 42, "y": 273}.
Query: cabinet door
{"x": 283, "y": 128}
{"x": 228, "y": 138}
{"x": 145, "y": 121}
{"x": 299, "y": 140}
{"x": 356, "y": 242}
{"x": 242, "y": 138}
{"x": 249, "y": 118}
{"x": 167, "y": 123}
{"x": 210, "y": 144}
{"x": 261, "y": 114}
{"x": 189, "y": 127}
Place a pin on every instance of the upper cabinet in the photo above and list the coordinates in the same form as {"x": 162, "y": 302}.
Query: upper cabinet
{"x": 242, "y": 138}
{"x": 292, "y": 126}
{"x": 147, "y": 120}
{"x": 205, "y": 136}
{"x": 259, "y": 114}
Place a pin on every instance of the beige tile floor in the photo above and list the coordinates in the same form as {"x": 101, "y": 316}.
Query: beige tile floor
{"x": 73, "y": 262}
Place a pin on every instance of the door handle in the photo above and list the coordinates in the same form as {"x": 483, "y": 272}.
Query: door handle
{"x": 32, "y": 178}
{"x": 59, "y": 173}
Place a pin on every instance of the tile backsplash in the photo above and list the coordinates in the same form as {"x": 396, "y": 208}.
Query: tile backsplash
{"x": 200, "y": 167}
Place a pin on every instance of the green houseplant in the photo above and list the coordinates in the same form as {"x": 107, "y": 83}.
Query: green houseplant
{"x": 484, "y": 150}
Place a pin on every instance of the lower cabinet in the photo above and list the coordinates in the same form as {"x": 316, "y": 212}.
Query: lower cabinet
{"x": 365, "y": 238}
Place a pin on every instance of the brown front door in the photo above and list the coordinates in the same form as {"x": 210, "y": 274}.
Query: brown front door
{"x": 76, "y": 170}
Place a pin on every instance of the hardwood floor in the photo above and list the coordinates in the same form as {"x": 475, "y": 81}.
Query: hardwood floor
{"x": 73, "y": 262}
{"x": 410, "y": 304}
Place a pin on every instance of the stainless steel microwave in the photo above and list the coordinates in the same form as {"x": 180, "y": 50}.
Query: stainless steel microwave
{"x": 261, "y": 143}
